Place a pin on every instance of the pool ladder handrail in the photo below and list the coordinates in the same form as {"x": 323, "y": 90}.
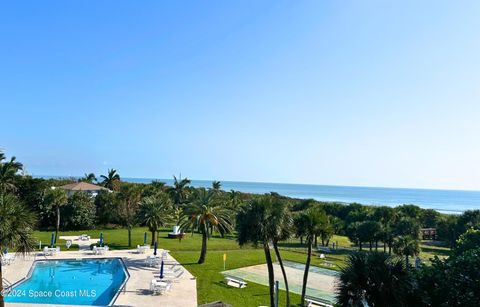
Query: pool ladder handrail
{"x": 7, "y": 285}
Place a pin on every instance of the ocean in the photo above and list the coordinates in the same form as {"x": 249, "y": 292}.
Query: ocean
{"x": 446, "y": 201}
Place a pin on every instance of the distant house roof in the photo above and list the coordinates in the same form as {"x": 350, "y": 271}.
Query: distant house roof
{"x": 82, "y": 186}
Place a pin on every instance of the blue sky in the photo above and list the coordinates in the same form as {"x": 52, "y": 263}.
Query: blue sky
{"x": 368, "y": 93}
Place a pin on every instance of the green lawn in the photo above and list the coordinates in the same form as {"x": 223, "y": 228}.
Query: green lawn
{"x": 209, "y": 279}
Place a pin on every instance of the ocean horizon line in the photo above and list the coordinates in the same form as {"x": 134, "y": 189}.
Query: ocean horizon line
{"x": 267, "y": 182}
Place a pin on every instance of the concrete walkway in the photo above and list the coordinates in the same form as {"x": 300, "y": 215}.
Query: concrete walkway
{"x": 182, "y": 294}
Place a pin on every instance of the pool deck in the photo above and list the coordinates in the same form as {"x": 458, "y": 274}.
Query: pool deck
{"x": 182, "y": 294}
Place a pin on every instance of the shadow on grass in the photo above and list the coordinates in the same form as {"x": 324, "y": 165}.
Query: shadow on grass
{"x": 292, "y": 245}
{"x": 189, "y": 264}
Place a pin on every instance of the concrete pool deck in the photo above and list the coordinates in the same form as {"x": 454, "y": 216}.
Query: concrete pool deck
{"x": 182, "y": 294}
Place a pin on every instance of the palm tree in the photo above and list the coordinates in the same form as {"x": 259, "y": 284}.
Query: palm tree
{"x": 54, "y": 199}
{"x": 90, "y": 178}
{"x": 111, "y": 180}
{"x": 281, "y": 226}
{"x": 309, "y": 224}
{"x": 178, "y": 191}
{"x": 234, "y": 200}
{"x": 406, "y": 246}
{"x": 155, "y": 212}
{"x": 373, "y": 279}
{"x": 216, "y": 185}
{"x": 253, "y": 226}
{"x": 203, "y": 214}
{"x": 16, "y": 227}
{"x": 8, "y": 171}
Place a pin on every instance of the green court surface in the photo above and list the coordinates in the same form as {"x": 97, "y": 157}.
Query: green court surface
{"x": 321, "y": 282}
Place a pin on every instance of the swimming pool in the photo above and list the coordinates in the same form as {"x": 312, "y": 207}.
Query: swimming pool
{"x": 94, "y": 282}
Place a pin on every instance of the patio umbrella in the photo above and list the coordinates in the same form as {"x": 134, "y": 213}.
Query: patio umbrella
{"x": 155, "y": 248}
{"x": 52, "y": 241}
{"x": 101, "y": 239}
{"x": 161, "y": 270}
{"x": 145, "y": 238}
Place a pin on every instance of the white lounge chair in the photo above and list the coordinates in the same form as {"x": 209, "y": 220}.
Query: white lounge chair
{"x": 47, "y": 251}
{"x": 142, "y": 249}
{"x": 84, "y": 237}
{"x": 8, "y": 259}
{"x": 315, "y": 301}
{"x": 160, "y": 287}
{"x": 153, "y": 261}
{"x": 235, "y": 282}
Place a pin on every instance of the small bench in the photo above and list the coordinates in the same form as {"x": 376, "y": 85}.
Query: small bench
{"x": 235, "y": 282}
{"x": 315, "y": 301}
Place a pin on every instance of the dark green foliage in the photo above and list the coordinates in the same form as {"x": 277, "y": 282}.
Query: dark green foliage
{"x": 467, "y": 241}
{"x": 429, "y": 218}
{"x": 410, "y": 211}
{"x": 467, "y": 220}
{"x": 8, "y": 173}
{"x": 374, "y": 278}
{"x": 369, "y": 231}
{"x": 107, "y": 207}
{"x": 406, "y": 226}
{"x": 79, "y": 213}
{"x": 155, "y": 212}
{"x": 447, "y": 229}
{"x": 451, "y": 282}
{"x": 179, "y": 191}
{"x": 16, "y": 225}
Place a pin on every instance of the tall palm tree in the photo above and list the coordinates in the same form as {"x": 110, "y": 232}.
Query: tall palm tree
{"x": 373, "y": 279}
{"x": 54, "y": 199}
{"x": 111, "y": 180}
{"x": 254, "y": 226}
{"x": 309, "y": 224}
{"x": 155, "y": 212}
{"x": 203, "y": 214}
{"x": 281, "y": 229}
{"x": 8, "y": 171}
{"x": 16, "y": 227}
{"x": 406, "y": 246}
{"x": 90, "y": 178}
{"x": 178, "y": 191}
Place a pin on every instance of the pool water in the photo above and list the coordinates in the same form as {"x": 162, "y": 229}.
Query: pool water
{"x": 74, "y": 282}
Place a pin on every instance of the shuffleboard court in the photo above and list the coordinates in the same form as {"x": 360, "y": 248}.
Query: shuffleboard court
{"x": 321, "y": 282}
